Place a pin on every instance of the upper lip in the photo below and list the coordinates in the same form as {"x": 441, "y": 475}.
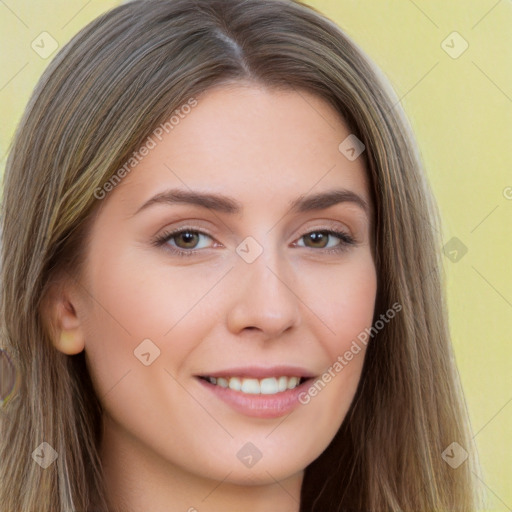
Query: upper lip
{"x": 261, "y": 372}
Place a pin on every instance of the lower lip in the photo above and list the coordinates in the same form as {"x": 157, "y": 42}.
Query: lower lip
{"x": 259, "y": 406}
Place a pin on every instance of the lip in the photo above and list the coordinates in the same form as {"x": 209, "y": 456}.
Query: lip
{"x": 259, "y": 406}
{"x": 261, "y": 372}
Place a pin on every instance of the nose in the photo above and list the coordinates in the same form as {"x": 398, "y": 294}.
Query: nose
{"x": 264, "y": 298}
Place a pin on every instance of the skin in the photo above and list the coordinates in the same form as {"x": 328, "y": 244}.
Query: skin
{"x": 169, "y": 443}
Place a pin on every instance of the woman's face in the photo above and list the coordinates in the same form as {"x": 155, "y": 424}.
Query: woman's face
{"x": 259, "y": 293}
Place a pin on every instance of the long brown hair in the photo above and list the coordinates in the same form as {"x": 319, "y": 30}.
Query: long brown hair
{"x": 106, "y": 90}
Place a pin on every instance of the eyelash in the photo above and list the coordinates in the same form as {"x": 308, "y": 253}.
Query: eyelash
{"x": 346, "y": 241}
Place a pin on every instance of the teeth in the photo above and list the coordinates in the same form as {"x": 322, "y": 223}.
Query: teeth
{"x": 235, "y": 383}
{"x": 293, "y": 382}
{"x": 223, "y": 383}
{"x": 251, "y": 386}
{"x": 268, "y": 386}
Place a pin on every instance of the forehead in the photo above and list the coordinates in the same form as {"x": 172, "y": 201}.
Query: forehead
{"x": 255, "y": 143}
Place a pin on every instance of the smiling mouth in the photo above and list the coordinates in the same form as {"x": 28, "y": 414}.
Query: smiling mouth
{"x": 251, "y": 386}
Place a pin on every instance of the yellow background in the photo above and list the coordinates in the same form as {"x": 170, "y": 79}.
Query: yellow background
{"x": 461, "y": 112}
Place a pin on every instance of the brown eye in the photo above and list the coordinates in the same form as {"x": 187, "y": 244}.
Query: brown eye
{"x": 184, "y": 241}
{"x": 319, "y": 239}
{"x": 189, "y": 239}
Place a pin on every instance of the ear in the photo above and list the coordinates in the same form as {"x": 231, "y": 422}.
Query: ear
{"x": 59, "y": 310}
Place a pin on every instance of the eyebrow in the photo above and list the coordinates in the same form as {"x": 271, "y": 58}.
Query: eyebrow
{"x": 224, "y": 204}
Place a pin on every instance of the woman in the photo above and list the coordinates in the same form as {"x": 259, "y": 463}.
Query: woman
{"x": 298, "y": 359}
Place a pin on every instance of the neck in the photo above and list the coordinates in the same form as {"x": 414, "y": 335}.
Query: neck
{"x": 137, "y": 479}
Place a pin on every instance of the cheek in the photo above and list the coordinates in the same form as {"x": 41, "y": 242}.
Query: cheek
{"x": 343, "y": 300}
{"x": 132, "y": 302}
{"x": 142, "y": 299}
{"x": 346, "y": 308}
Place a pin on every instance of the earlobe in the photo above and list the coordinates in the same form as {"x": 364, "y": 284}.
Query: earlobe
{"x": 69, "y": 341}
